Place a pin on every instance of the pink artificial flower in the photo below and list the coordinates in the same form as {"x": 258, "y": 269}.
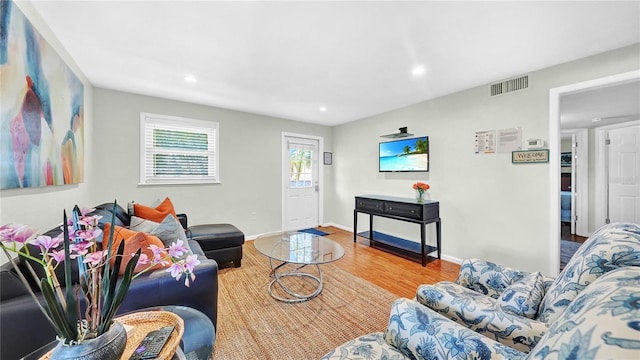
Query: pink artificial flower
{"x": 176, "y": 270}
{"x": 143, "y": 259}
{"x": 16, "y": 233}
{"x": 156, "y": 250}
{"x": 94, "y": 258}
{"x": 57, "y": 255}
{"x": 46, "y": 242}
{"x": 8, "y": 231}
{"x": 88, "y": 234}
{"x": 191, "y": 262}
{"x": 81, "y": 248}
{"x": 177, "y": 249}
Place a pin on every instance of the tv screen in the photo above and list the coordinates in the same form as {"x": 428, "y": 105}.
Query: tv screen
{"x": 405, "y": 155}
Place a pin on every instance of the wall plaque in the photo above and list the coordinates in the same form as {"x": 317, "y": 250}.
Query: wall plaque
{"x": 530, "y": 156}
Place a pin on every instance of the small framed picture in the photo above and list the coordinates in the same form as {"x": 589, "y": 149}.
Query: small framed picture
{"x": 328, "y": 158}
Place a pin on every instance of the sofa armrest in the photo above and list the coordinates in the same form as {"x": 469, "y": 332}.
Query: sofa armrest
{"x": 183, "y": 220}
{"x": 421, "y": 333}
{"x": 486, "y": 277}
{"x": 158, "y": 288}
{"x": 481, "y": 314}
{"x": 10, "y": 284}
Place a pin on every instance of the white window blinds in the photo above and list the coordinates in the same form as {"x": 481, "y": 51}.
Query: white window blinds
{"x": 177, "y": 150}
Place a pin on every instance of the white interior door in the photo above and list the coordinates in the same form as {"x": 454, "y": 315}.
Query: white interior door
{"x": 624, "y": 174}
{"x": 301, "y": 187}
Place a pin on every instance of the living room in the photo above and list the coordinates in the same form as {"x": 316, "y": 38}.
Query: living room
{"x": 490, "y": 208}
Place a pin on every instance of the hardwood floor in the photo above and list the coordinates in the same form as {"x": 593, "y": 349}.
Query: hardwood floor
{"x": 391, "y": 272}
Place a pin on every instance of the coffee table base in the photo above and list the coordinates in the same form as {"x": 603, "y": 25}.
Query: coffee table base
{"x": 292, "y": 296}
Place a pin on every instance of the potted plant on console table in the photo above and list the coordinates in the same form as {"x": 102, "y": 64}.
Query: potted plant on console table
{"x": 96, "y": 335}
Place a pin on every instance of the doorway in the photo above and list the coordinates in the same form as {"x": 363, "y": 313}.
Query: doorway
{"x": 617, "y": 182}
{"x": 301, "y": 181}
{"x": 555, "y": 153}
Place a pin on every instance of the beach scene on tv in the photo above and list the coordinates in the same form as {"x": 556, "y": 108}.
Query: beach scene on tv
{"x": 405, "y": 155}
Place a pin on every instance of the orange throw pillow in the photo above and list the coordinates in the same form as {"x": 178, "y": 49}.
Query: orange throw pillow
{"x": 133, "y": 240}
{"x": 156, "y": 214}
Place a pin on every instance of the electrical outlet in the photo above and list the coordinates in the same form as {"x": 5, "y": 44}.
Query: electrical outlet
{"x": 253, "y": 216}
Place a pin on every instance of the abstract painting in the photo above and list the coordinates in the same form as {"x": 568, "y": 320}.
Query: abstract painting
{"x": 42, "y": 109}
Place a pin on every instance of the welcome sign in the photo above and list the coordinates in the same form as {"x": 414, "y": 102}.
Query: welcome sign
{"x": 530, "y": 156}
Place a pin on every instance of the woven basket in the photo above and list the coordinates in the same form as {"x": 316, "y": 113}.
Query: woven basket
{"x": 146, "y": 321}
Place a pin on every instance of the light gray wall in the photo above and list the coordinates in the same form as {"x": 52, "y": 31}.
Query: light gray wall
{"x": 250, "y": 161}
{"x": 490, "y": 208}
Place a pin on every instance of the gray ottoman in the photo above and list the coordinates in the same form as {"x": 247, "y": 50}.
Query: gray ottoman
{"x": 220, "y": 242}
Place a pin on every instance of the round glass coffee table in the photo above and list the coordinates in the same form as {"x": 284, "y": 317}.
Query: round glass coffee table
{"x": 290, "y": 253}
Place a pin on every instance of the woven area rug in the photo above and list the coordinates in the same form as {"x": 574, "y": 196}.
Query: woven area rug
{"x": 252, "y": 325}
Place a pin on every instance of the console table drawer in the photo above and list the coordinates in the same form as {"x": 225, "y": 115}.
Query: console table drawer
{"x": 404, "y": 210}
{"x": 369, "y": 205}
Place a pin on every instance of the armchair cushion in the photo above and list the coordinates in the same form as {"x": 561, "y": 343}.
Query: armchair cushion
{"x": 481, "y": 314}
{"x": 610, "y": 247}
{"x": 486, "y": 277}
{"x": 420, "y": 333}
{"x": 523, "y": 297}
{"x": 366, "y": 347}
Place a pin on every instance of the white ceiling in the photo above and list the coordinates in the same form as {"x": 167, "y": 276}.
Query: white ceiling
{"x": 288, "y": 59}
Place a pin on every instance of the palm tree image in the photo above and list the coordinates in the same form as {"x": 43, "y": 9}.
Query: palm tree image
{"x": 422, "y": 146}
{"x": 407, "y": 149}
{"x": 300, "y": 160}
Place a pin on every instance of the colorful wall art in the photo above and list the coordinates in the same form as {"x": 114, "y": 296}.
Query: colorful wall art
{"x": 42, "y": 109}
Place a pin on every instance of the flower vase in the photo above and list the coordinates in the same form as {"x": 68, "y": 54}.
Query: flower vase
{"x": 419, "y": 196}
{"x": 108, "y": 346}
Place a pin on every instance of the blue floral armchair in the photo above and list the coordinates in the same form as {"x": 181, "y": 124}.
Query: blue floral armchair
{"x": 516, "y": 308}
{"x": 602, "y": 322}
{"x": 590, "y": 311}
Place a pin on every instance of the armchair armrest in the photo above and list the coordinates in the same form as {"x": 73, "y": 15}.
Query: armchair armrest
{"x": 481, "y": 314}
{"x": 421, "y": 333}
{"x": 486, "y": 277}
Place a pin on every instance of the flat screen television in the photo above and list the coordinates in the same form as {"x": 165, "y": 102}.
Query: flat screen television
{"x": 404, "y": 155}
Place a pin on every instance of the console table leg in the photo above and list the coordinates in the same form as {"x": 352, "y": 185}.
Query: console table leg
{"x": 438, "y": 225}
{"x": 355, "y": 225}
{"x": 423, "y": 243}
{"x": 370, "y": 229}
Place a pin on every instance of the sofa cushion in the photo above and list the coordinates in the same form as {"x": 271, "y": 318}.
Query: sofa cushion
{"x": 133, "y": 240}
{"x": 610, "y": 247}
{"x": 157, "y": 213}
{"x": 523, "y": 297}
{"x": 168, "y": 231}
{"x": 602, "y": 322}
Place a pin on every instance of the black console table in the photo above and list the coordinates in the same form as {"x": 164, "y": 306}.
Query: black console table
{"x": 403, "y": 209}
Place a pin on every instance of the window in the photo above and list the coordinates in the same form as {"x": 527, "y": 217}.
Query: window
{"x": 176, "y": 150}
{"x": 301, "y": 174}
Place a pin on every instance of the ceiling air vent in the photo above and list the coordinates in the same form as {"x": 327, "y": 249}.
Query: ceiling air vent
{"x": 508, "y": 86}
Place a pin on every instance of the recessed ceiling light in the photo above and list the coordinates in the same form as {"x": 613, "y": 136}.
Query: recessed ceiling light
{"x": 596, "y": 119}
{"x": 418, "y": 70}
{"x": 190, "y": 79}
{"x": 323, "y": 108}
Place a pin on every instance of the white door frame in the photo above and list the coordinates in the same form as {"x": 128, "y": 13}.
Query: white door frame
{"x": 600, "y": 173}
{"x": 320, "y": 174}
{"x": 553, "y": 241}
{"x": 579, "y": 181}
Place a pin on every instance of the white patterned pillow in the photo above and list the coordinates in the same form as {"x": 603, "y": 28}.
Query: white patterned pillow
{"x": 523, "y": 297}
